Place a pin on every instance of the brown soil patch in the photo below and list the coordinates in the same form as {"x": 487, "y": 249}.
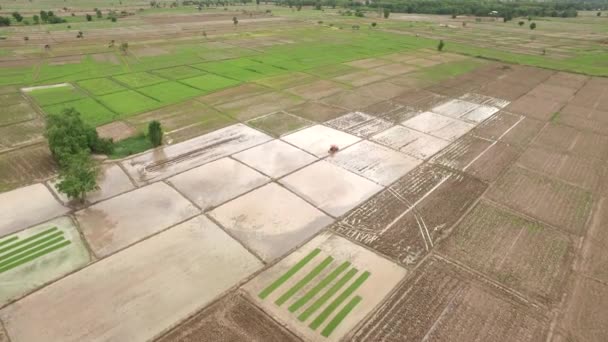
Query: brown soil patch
{"x": 233, "y": 318}
{"x": 519, "y": 253}
{"x": 442, "y": 302}
{"x": 350, "y": 100}
{"x": 420, "y": 99}
{"x": 522, "y": 134}
{"x": 496, "y": 126}
{"x": 534, "y": 107}
{"x": 21, "y": 111}
{"x": 410, "y": 80}
{"x": 584, "y": 118}
{"x": 24, "y": 166}
{"x": 360, "y": 78}
{"x": 394, "y": 69}
{"x": 382, "y": 90}
{"x": 368, "y": 63}
{"x": 64, "y": 60}
{"x": 585, "y": 173}
{"x": 504, "y": 90}
{"x": 258, "y": 105}
{"x": 316, "y": 111}
{"x": 594, "y": 257}
{"x": 553, "y": 92}
{"x": 490, "y": 165}
{"x": 462, "y": 152}
{"x": 585, "y": 313}
{"x": 317, "y": 90}
{"x": 11, "y": 98}
{"x": 117, "y": 131}
{"x": 568, "y": 139}
{"x": 289, "y": 80}
{"x": 557, "y": 203}
{"x": 233, "y": 94}
{"x": 564, "y": 79}
{"x": 382, "y": 108}
{"x": 403, "y": 222}
{"x": 22, "y": 133}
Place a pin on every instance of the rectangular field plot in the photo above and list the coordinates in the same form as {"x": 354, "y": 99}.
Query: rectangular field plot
{"x": 403, "y": 222}
{"x": 101, "y": 86}
{"x": 120, "y": 221}
{"x": 567, "y": 139}
{"x": 105, "y": 301}
{"x": 49, "y": 96}
{"x": 416, "y": 144}
{"x": 521, "y": 254}
{"x": 461, "y": 153}
{"x": 226, "y": 69}
{"x": 232, "y": 318}
{"x": 444, "y": 303}
{"x": 359, "y": 124}
{"x": 279, "y": 123}
{"x": 440, "y": 126}
{"x": 374, "y": 162}
{"x": 169, "y": 92}
{"x": 139, "y": 79}
{"x": 557, "y": 203}
{"x": 255, "y": 106}
{"x": 272, "y": 229}
{"x": 126, "y": 103}
{"x": 27, "y": 206}
{"x": 27, "y": 164}
{"x": 91, "y": 111}
{"x": 178, "y": 72}
{"x": 325, "y": 288}
{"x": 217, "y": 182}
{"x": 37, "y": 255}
{"x": 23, "y": 133}
{"x": 585, "y": 173}
{"x": 191, "y": 153}
{"x": 17, "y": 112}
{"x": 210, "y": 82}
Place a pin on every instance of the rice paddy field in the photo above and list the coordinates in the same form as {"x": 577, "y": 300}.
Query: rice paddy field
{"x": 321, "y": 179}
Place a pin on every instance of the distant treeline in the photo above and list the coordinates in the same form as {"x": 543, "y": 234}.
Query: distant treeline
{"x": 566, "y": 8}
{"x": 483, "y": 8}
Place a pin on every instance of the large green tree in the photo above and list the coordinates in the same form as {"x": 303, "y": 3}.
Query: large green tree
{"x": 78, "y": 176}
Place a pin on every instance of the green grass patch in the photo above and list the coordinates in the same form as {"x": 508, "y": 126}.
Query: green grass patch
{"x": 178, "y": 72}
{"x": 130, "y": 146}
{"x": 56, "y": 95}
{"x": 320, "y": 286}
{"x": 555, "y": 117}
{"x": 448, "y": 70}
{"x": 327, "y": 295}
{"x": 229, "y": 69}
{"x": 139, "y": 79}
{"x": 91, "y": 111}
{"x": 126, "y": 103}
{"x": 338, "y": 301}
{"x": 33, "y": 256}
{"x": 101, "y": 86}
{"x": 170, "y": 92}
{"x": 304, "y": 281}
{"x": 210, "y": 82}
{"x": 293, "y": 270}
{"x": 333, "y": 324}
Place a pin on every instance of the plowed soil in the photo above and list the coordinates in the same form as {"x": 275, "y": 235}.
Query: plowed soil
{"x": 232, "y": 318}
{"x": 442, "y": 302}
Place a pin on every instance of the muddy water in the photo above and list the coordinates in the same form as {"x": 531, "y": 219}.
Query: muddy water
{"x": 275, "y": 158}
{"x": 217, "y": 182}
{"x": 169, "y": 160}
{"x": 318, "y": 139}
{"x": 270, "y": 220}
{"x": 26, "y": 206}
{"x": 111, "y": 225}
{"x": 330, "y": 187}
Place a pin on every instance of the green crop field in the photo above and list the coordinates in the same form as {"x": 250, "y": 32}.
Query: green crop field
{"x": 169, "y": 92}
{"x": 51, "y": 96}
{"x": 178, "y": 72}
{"x": 129, "y": 102}
{"x": 101, "y": 86}
{"x": 139, "y": 79}
{"x": 210, "y": 82}
{"x": 91, "y": 111}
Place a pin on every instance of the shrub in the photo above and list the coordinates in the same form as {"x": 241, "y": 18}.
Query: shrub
{"x": 155, "y": 133}
{"x": 374, "y": 24}
{"x": 521, "y": 23}
{"x": 532, "y": 26}
{"x": 387, "y": 12}
{"x": 440, "y": 45}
